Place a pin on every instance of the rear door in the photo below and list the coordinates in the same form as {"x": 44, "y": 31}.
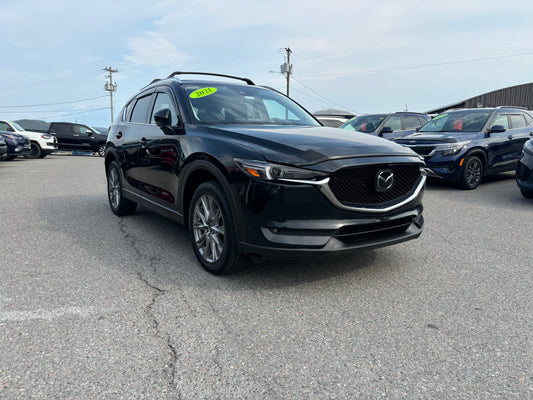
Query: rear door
{"x": 127, "y": 140}
{"x": 160, "y": 153}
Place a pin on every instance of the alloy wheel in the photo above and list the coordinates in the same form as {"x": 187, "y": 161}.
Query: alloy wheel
{"x": 208, "y": 228}
{"x": 113, "y": 186}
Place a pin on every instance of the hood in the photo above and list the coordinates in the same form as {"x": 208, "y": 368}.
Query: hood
{"x": 438, "y": 137}
{"x": 307, "y": 145}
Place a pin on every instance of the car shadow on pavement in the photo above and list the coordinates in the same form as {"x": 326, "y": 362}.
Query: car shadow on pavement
{"x": 159, "y": 250}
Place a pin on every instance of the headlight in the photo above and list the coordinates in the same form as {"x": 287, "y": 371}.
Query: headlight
{"x": 452, "y": 148}
{"x": 275, "y": 172}
{"x": 10, "y": 138}
{"x": 46, "y": 136}
{"x": 528, "y": 147}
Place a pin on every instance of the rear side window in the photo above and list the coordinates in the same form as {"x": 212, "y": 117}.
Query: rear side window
{"x": 61, "y": 127}
{"x": 518, "y": 121}
{"x": 140, "y": 109}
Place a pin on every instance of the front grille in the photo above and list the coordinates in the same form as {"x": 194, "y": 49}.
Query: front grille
{"x": 422, "y": 150}
{"x": 356, "y": 186}
{"x": 358, "y": 233}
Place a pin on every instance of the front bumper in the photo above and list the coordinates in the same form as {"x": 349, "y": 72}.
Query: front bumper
{"x": 294, "y": 221}
{"x": 524, "y": 172}
{"x": 19, "y": 149}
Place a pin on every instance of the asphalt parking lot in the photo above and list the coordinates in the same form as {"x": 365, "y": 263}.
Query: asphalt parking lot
{"x": 100, "y": 307}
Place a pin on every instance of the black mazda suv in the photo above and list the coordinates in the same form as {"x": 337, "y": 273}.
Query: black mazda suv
{"x": 253, "y": 175}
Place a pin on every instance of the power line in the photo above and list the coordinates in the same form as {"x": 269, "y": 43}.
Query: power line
{"x": 54, "y": 104}
{"x": 318, "y": 94}
{"x": 76, "y": 113}
{"x": 399, "y": 68}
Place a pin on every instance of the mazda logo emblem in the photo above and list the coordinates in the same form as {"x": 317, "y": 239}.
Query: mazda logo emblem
{"x": 384, "y": 180}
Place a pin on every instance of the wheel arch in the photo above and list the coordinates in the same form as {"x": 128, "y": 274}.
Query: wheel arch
{"x": 480, "y": 153}
{"x": 203, "y": 168}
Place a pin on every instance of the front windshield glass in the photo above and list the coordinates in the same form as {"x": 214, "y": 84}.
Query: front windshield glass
{"x": 457, "y": 121}
{"x": 17, "y": 126}
{"x": 235, "y": 104}
{"x": 364, "y": 123}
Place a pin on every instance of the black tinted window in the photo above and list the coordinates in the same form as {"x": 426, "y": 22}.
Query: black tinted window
{"x": 140, "y": 110}
{"x": 61, "y": 127}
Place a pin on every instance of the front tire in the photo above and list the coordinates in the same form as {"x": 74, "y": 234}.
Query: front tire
{"x": 527, "y": 193}
{"x": 472, "y": 173}
{"x": 36, "y": 151}
{"x": 119, "y": 205}
{"x": 212, "y": 232}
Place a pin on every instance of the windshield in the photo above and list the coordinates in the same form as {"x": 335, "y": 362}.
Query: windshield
{"x": 457, "y": 121}
{"x": 16, "y": 126}
{"x": 364, "y": 123}
{"x": 235, "y": 104}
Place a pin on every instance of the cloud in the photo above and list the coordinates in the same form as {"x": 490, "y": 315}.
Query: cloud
{"x": 154, "y": 50}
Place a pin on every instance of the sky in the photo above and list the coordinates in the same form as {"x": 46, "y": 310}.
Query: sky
{"x": 363, "y": 56}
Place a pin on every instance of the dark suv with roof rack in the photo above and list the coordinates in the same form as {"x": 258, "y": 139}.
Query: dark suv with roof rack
{"x": 388, "y": 126}
{"x": 464, "y": 145}
{"x": 254, "y": 175}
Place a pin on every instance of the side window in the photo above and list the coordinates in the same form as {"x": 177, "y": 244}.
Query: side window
{"x": 126, "y": 113}
{"x": 163, "y": 101}
{"x": 395, "y": 123}
{"x": 140, "y": 110}
{"x": 501, "y": 120}
{"x": 4, "y": 127}
{"x": 528, "y": 118}
{"x": 411, "y": 122}
{"x": 62, "y": 128}
{"x": 517, "y": 121}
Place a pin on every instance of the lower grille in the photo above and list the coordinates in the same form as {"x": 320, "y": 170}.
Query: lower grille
{"x": 358, "y": 233}
{"x": 356, "y": 186}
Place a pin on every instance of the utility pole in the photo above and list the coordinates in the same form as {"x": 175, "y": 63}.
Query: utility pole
{"x": 110, "y": 86}
{"x": 287, "y": 68}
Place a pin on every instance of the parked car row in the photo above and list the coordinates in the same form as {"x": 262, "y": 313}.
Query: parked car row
{"x": 58, "y": 136}
{"x": 461, "y": 146}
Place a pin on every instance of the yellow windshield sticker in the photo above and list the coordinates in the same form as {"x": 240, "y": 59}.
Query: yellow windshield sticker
{"x": 440, "y": 116}
{"x": 202, "y": 92}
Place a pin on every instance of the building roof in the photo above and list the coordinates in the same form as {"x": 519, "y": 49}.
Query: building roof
{"x": 516, "y": 96}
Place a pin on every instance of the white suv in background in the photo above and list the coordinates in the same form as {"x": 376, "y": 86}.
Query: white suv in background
{"x": 42, "y": 144}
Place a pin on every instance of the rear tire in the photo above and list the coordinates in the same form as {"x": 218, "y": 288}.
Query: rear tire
{"x": 119, "y": 205}
{"x": 472, "y": 173}
{"x": 212, "y": 232}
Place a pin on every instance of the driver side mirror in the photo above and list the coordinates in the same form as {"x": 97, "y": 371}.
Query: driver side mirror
{"x": 386, "y": 129}
{"x": 497, "y": 128}
{"x": 163, "y": 118}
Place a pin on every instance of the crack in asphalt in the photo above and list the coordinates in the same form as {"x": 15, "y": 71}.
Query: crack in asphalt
{"x": 170, "y": 368}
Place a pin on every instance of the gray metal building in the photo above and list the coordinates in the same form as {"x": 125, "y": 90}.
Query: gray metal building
{"x": 518, "y": 96}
